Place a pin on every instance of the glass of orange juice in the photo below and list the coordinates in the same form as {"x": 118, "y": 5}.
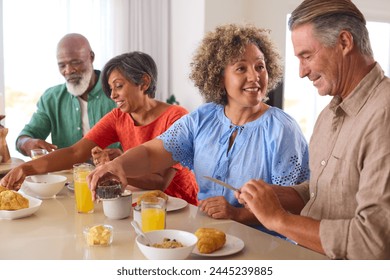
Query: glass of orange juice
{"x": 82, "y": 193}
{"x": 153, "y": 213}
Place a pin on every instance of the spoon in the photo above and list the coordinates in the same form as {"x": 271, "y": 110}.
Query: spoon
{"x": 139, "y": 231}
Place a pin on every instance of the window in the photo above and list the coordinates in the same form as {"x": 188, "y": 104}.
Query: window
{"x": 301, "y": 99}
{"x": 111, "y": 26}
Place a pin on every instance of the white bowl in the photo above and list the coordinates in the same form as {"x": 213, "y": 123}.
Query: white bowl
{"x": 157, "y": 236}
{"x": 44, "y": 186}
{"x": 118, "y": 208}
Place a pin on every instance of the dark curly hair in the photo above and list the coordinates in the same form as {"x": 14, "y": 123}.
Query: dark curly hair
{"x": 225, "y": 45}
{"x": 132, "y": 65}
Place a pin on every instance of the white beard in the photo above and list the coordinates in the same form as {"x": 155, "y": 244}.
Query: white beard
{"x": 80, "y": 88}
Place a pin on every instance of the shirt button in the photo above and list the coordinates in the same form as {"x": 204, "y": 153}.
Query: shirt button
{"x": 323, "y": 163}
{"x": 77, "y": 108}
{"x": 312, "y": 194}
{"x": 78, "y": 128}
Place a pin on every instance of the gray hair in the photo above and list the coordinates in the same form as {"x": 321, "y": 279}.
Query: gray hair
{"x": 331, "y": 17}
{"x": 133, "y": 65}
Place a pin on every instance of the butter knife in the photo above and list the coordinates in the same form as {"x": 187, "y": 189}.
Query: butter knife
{"x": 230, "y": 187}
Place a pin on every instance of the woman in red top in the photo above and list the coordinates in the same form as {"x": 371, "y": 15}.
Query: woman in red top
{"x": 130, "y": 80}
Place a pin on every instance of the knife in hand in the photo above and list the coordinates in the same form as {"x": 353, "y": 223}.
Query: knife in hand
{"x": 230, "y": 187}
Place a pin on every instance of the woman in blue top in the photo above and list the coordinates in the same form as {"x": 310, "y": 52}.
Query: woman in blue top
{"x": 235, "y": 136}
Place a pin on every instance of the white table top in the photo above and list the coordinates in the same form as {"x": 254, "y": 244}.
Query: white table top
{"x": 55, "y": 232}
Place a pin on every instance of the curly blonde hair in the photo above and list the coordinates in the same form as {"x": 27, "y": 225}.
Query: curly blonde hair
{"x": 225, "y": 45}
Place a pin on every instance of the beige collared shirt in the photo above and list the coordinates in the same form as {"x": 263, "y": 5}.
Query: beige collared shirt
{"x": 349, "y": 187}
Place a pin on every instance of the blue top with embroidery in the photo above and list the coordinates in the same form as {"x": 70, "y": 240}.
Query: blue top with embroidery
{"x": 271, "y": 148}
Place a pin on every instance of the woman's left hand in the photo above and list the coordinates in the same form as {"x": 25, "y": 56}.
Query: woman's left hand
{"x": 218, "y": 208}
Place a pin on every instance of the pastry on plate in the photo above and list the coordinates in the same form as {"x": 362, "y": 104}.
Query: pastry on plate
{"x": 210, "y": 240}
{"x": 2, "y": 189}
{"x": 11, "y": 200}
{"x": 151, "y": 194}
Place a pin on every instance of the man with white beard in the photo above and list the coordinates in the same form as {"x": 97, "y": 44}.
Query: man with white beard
{"x": 69, "y": 110}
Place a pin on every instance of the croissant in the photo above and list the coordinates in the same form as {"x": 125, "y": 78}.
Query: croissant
{"x": 11, "y": 200}
{"x": 210, "y": 240}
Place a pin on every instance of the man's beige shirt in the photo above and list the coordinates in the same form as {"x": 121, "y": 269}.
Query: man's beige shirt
{"x": 349, "y": 188}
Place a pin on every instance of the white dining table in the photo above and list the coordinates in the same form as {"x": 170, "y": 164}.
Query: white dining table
{"x": 55, "y": 232}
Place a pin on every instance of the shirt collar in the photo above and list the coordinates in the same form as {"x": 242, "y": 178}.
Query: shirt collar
{"x": 359, "y": 96}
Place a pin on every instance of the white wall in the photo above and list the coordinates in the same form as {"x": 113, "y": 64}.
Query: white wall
{"x": 190, "y": 19}
{"x": 187, "y": 22}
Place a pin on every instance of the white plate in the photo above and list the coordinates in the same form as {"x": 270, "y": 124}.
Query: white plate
{"x": 5, "y": 167}
{"x": 34, "y": 205}
{"x": 233, "y": 245}
{"x": 174, "y": 203}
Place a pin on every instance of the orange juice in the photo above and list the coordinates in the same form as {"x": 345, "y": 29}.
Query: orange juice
{"x": 83, "y": 197}
{"x": 82, "y": 193}
{"x": 152, "y": 219}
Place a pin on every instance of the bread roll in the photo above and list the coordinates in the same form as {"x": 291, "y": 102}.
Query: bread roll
{"x": 210, "y": 240}
{"x": 2, "y": 189}
{"x": 151, "y": 194}
{"x": 11, "y": 200}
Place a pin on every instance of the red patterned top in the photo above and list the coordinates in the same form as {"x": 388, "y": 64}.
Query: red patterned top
{"x": 118, "y": 126}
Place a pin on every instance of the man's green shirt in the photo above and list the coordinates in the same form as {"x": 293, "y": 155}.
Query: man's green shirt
{"x": 59, "y": 114}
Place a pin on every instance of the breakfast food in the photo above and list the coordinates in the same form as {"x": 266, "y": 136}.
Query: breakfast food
{"x": 11, "y": 200}
{"x": 99, "y": 235}
{"x": 151, "y": 195}
{"x": 168, "y": 244}
{"x": 2, "y": 189}
{"x": 210, "y": 240}
{"x": 109, "y": 189}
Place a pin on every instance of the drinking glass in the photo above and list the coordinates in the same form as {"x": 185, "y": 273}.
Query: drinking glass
{"x": 153, "y": 213}
{"x": 36, "y": 153}
{"x": 82, "y": 193}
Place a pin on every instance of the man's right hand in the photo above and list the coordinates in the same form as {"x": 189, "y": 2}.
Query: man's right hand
{"x": 25, "y": 144}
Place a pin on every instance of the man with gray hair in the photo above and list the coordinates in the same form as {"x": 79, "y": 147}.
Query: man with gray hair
{"x": 69, "y": 110}
{"x": 343, "y": 211}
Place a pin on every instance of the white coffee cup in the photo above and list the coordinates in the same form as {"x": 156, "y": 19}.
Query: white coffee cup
{"x": 118, "y": 208}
